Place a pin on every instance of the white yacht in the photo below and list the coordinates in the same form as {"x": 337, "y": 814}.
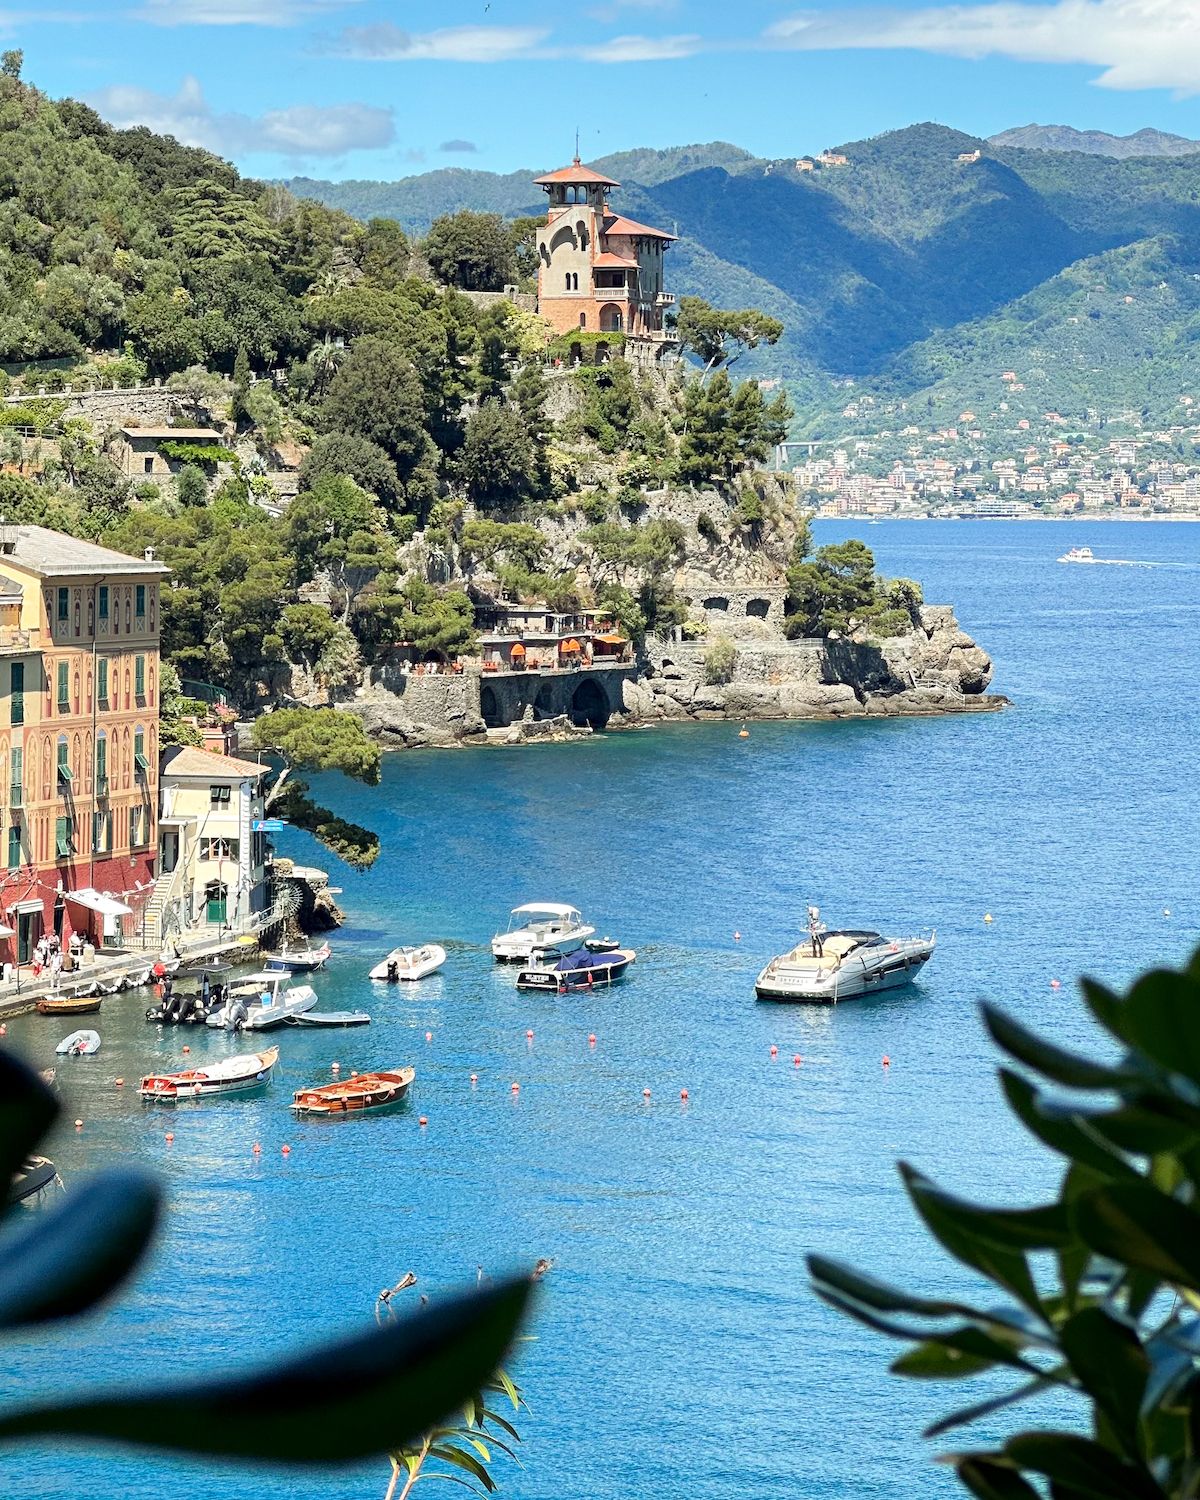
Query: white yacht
{"x": 258, "y": 1002}
{"x": 850, "y": 964}
{"x": 1078, "y": 555}
{"x": 539, "y": 924}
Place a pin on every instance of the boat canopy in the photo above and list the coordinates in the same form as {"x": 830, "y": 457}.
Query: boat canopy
{"x": 95, "y": 900}
{"x": 548, "y": 908}
{"x": 583, "y": 958}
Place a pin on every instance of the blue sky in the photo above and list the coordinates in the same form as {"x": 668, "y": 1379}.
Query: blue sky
{"x": 384, "y": 88}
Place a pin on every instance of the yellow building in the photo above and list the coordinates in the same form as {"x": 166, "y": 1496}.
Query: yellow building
{"x": 79, "y": 631}
{"x": 213, "y": 856}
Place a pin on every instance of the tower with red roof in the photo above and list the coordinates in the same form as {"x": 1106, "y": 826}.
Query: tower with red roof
{"x": 599, "y": 272}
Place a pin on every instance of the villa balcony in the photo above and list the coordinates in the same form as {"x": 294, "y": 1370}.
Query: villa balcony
{"x": 15, "y": 642}
{"x": 665, "y": 299}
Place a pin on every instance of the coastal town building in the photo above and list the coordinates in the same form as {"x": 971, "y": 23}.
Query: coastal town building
{"x": 523, "y": 637}
{"x": 214, "y": 854}
{"x": 144, "y": 452}
{"x": 599, "y": 272}
{"x": 79, "y": 632}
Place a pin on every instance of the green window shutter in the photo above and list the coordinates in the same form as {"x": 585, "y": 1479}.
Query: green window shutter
{"x": 16, "y": 789}
{"x": 139, "y": 676}
{"x": 64, "y": 687}
{"x": 64, "y": 603}
{"x": 104, "y": 601}
{"x": 62, "y": 837}
{"x": 14, "y": 847}
{"x": 102, "y": 681}
{"x": 102, "y": 767}
{"x": 139, "y": 751}
{"x": 139, "y": 608}
{"x": 133, "y": 826}
{"x": 16, "y": 700}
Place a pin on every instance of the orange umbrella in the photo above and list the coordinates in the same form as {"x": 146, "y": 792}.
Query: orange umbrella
{"x": 518, "y": 650}
{"x": 571, "y": 645}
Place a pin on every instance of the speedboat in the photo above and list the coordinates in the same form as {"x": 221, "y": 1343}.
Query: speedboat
{"x": 299, "y": 960}
{"x": 579, "y": 969}
{"x": 851, "y": 963}
{"x": 233, "y": 1075}
{"x": 539, "y": 924}
{"x": 1078, "y": 555}
{"x": 79, "y": 1044}
{"x": 259, "y": 1001}
{"x": 409, "y": 963}
{"x": 353, "y": 1095}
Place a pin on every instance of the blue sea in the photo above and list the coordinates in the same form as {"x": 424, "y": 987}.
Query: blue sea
{"x": 677, "y": 1350}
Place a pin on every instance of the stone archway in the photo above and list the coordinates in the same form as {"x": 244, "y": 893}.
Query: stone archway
{"x": 611, "y": 318}
{"x": 546, "y": 704}
{"x": 589, "y": 705}
{"x": 489, "y": 707}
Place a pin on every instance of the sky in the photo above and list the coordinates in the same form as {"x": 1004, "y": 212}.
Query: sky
{"x": 386, "y": 88}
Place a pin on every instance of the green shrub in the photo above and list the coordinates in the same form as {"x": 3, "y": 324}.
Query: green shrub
{"x": 719, "y": 661}
{"x": 707, "y": 527}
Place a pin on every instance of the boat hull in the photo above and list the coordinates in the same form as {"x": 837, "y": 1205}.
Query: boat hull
{"x": 409, "y": 964}
{"x": 298, "y": 963}
{"x": 236, "y": 1075}
{"x": 849, "y": 980}
{"x": 79, "y": 1044}
{"x": 518, "y": 947}
{"x": 86, "y": 1005}
{"x": 355, "y": 1096}
{"x": 608, "y": 969}
{"x": 331, "y": 1018}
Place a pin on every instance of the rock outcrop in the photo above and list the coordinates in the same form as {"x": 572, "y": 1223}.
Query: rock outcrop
{"x": 935, "y": 669}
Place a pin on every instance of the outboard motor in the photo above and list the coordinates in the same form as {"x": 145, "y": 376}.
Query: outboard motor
{"x": 235, "y": 1013}
{"x": 171, "y": 1009}
{"x": 393, "y": 971}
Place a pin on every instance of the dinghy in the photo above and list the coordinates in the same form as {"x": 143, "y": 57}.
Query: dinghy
{"x": 69, "y": 1005}
{"x": 232, "y": 1075}
{"x": 79, "y": 1044}
{"x": 330, "y": 1018}
{"x": 354, "y": 1095}
{"x": 409, "y": 963}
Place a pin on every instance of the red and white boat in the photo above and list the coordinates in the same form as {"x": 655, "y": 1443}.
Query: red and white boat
{"x": 232, "y": 1075}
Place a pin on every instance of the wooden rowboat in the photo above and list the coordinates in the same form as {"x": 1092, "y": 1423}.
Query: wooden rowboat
{"x": 353, "y": 1095}
{"x": 69, "y": 1005}
{"x": 231, "y": 1075}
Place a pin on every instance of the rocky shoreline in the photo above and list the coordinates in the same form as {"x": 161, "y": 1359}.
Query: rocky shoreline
{"x": 937, "y": 668}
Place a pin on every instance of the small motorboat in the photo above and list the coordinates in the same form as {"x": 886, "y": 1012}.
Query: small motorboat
{"x": 69, "y": 1005}
{"x": 330, "y": 1018}
{"x": 848, "y": 964}
{"x": 192, "y": 1001}
{"x": 299, "y": 960}
{"x": 232, "y": 1075}
{"x": 79, "y": 1044}
{"x": 580, "y": 969}
{"x": 539, "y": 924}
{"x": 1078, "y": 555}
{"x": 409, "y": 963}
{"x": 354, "y": 1095}
{"x": 33, "y": 1177}
{"x": 260, "y": 1001}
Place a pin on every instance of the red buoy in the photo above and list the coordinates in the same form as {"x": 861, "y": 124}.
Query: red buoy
{"x": 118, "y": 1083}
{"x": 774, "y": 1051}
{"x": 529, "y": 1036}
{"x": 683, "y": 1093}
{"x": 187, "y": 1049}
{"x": 474, "y": 1077}
{"x": 285, "y": 1150}
{"x": 887, "y": 1062}
{"x": 516, "y": 1088}
{"x": 645, "y": 1093}
{"x": 797, "y": 1060}
{"x": 422, "y": 1121}
{"x": 591, "y": 1038}
{"x": 256, "y": 1149}
{"x": 169, "y": 1137}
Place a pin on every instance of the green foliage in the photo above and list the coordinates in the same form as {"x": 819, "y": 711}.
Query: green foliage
{"x": 40, "y": 413}
{"x": 646, "y": 557}
{"x": 174, "y": 710}
{"x": 496, "y": 456}
{"x": 68, "y": 1259}
{"x": 487, "y": 540}
{"x": 191, "y": 485}
{"x": 358, "y": 458}
{"x": 306, "y": 630}
{"x": 725, "y": 429}
{"x": 206, "y": 455}
{"x": 591, "y": 348}
{"x": 1108, "y": 1322}
{"x": 840, "y": 586}
{"x": 358, "y": 846}
{"x": 718, "y": 337}
{"x": 719, "y": 660}
{"x": 473, "y": 251}
{"x": 377, "y": 395}
{"x": 320, "y": 739}
{"x": 433, "y": 620}
{"x": 708, "y": 528}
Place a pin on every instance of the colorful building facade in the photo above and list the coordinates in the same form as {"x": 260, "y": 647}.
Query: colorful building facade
{"x": 79, "y": 669}
{"x": 599, "y": 272}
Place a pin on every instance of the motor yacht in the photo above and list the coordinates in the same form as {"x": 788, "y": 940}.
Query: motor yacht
{"x": 260, "y": 1001}
{"x": 1078, "y": 555}
{"x": 539, "y": 924}
{"x": 850, "y": 963}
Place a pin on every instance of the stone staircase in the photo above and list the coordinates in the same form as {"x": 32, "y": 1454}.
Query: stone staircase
{"x": 164, "y": 889}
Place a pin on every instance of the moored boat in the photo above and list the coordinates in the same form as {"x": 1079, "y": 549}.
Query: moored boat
{"x": 32, "y": 1177}
{"x": 409, "y": 963}
{"x": 354, "y": 1095}
{"x": 581, "y": 969}
{"x": 846, "y": 964}
{"x": 330, "y": 1018}
{"x": 232, "y": 1075}
{"x": 299, "y": 960}
{"x": 69, "y": 1005}
{"x": 79, "y": 1044}
{"x": 259, "y": 1001}
{"x": 539, "y": 924}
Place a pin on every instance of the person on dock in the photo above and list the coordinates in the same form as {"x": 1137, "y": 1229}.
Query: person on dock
{"x": 816, "y": 931}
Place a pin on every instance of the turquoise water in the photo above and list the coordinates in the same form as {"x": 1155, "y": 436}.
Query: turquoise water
{"x": 677, "y": 1350}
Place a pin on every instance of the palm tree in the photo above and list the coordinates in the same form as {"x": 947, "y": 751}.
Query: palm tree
{"x": 325, "y": 361}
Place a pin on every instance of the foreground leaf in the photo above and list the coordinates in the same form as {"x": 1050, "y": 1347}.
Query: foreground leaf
{"x": 1112, "y": 1368}
{"x": 1141, "y": 1227}
{"x": 27, "y": 1111}
{"x": 1067, "y": 1068}
{"x": 1081, "y": 1465}
{"x": 993, "y": 1481}
{"x": 374, "y": 1393}
{"x": 71, "y": 1257}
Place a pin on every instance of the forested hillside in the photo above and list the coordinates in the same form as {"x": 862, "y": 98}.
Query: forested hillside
{"x": 909, "y": 270}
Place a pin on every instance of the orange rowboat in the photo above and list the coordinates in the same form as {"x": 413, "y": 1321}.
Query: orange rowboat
{"x": 353, "y": 1095}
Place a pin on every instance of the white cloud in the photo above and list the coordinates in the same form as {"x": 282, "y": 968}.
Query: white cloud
{"x": 620, "y": 49}
{"x": 233, "y": 12}
{"x": 468, "y": 44}
{"x": 1136, "y": 43}
{"x": 298, "y": 132}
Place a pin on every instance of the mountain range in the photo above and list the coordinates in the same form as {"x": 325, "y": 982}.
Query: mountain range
{"x": 919, "y": 270}
{"x": 1095, "y": 142}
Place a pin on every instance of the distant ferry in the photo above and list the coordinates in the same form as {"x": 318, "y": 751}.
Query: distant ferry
{"x": 1084, "y": 555}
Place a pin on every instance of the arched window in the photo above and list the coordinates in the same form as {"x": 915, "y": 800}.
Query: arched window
{"x": 125, "y": 758}
{"x": 581, "y": 232}
{"x": 567, "y": 279}
{"x": 583, "y": 320}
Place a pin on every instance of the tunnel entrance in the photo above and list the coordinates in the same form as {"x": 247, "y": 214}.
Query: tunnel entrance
{"x": 489, "y": 707}
{"x": 589, "y": 704}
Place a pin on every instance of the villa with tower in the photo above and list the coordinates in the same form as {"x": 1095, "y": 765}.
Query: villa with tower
{"x": 599, "y": 272}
